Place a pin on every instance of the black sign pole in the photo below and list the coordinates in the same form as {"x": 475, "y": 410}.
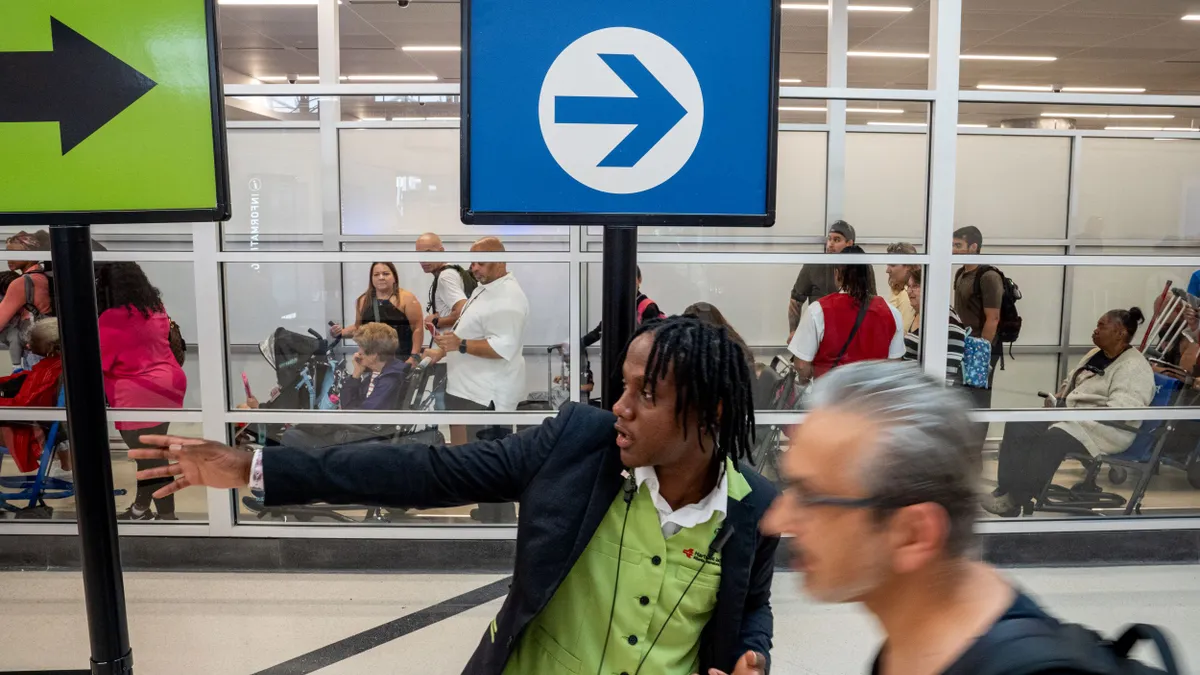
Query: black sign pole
{"x": 620, "y": 304}
{"x": 87, "y": 424}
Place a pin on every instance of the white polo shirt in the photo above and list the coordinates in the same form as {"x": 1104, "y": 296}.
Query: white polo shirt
{"x": 495, "y": 312}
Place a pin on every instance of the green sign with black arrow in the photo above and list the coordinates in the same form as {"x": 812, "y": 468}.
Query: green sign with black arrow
{"x": 111, "y": 112}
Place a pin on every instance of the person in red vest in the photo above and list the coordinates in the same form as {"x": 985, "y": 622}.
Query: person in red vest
{"x": 848, "y": 326}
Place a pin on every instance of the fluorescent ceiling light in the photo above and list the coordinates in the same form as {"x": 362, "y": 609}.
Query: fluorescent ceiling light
{"x": 896, "y": 124}
{"x": 965, "y": 57}
{"x": 890, "y": 55}
{"x": 972, "y": 126}
{"x": 284, "y": 78}
{"x": 1101, "y": 116}
{"x": 853, "y": 8}
{"x": 790, "y": 80}
{"x": 1104, "y": 90}
{"x": 1014, "y": 87}
{"x": 390, "y": 78}
{"x": 1150, "y": 129}
{"x": 1005, "y": 57}
{"x": 372, "y": 119}
{"x": 1192, "y": 17}
{"x": 269, "y": 2}
{"x": 882, "y": 111}
{"x": 431, "y": 48}
{"x": 1168, "y": 139}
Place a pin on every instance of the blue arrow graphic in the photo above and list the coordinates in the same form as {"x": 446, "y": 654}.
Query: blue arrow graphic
{"x": 652, "y": 109}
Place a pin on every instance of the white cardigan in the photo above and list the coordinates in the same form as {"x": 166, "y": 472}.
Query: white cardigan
{"x": 1127, "y": 382}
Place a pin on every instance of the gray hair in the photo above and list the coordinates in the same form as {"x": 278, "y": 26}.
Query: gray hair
{"x": 45, "y": 332}
{"x": 925, "y": 453}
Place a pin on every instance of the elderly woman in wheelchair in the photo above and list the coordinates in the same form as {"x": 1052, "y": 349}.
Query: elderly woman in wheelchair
{"x": 1112, "y": 375}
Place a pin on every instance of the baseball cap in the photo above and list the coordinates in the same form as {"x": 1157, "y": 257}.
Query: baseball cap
{"x": 843, "y": 228}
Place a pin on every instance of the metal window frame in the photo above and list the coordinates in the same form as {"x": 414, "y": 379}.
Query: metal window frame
{"x": 208, "y": 258}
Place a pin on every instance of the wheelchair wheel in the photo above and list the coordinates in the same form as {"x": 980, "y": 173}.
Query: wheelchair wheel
{"x": 1117, "y": 475}
{"x": 1193, "y": 473}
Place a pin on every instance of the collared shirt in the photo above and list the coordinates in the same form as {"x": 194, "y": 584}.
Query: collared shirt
{"x": 496, "y": 312}
{"x": 672, "y": 521}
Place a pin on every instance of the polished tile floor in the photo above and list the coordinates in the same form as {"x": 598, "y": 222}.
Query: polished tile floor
{"x": 243, "y": 624}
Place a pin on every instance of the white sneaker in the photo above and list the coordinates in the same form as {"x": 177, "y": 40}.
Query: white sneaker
{"x": 57, "y": 471}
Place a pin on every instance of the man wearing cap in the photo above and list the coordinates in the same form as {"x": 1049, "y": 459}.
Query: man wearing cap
{"x": 816, "y": 281}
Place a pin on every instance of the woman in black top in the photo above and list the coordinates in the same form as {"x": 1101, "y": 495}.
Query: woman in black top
{"x": 385, "y": 302}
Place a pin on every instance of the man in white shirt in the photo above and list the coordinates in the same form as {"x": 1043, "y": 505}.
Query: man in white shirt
{"x": 446, "y": 294}
{"x": 484, "y": 348}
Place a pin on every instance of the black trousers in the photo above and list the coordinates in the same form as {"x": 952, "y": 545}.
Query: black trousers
{"x": 146, "y": 488}
{"x": 1029, "y": 455}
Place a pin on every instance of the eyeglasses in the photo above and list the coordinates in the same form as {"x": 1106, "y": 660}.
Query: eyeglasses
{"x": 805, "y": 499}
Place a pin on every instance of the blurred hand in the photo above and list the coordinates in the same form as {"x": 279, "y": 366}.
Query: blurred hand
{"x": 431, "y": 322}
{"x": 1190, "y": 317}
{"x": 250, "y": 404}
{"x": 335, "y": 330}
{"x": 448, "y": 342}
{"x": 751, "y": 663}
{"x": 197, "y": 462}
{"x": 358, "y": 364}
{"x": 434, "y": 355}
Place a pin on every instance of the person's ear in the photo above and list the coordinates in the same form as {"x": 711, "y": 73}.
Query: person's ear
{"x": 919, "y": 533}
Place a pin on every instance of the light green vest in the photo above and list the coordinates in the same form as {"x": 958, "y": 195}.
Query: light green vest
{"x": 568, "y": 635}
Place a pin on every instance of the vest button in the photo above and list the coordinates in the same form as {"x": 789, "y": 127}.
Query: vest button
{"x": 656, "y": 560}
{"x": 633, "y": 639}
{"x": 644, "y": 600}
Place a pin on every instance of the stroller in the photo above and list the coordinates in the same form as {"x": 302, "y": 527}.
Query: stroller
{"x": 311, "y": 377}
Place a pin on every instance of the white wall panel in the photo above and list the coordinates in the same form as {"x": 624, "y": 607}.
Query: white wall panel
{"x": 1013, "y": 187}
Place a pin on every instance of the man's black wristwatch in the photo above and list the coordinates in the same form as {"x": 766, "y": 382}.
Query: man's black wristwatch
{"x": 462, "y": 347}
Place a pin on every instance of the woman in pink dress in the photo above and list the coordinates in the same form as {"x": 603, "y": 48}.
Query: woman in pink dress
{"x": 140, "y": 368}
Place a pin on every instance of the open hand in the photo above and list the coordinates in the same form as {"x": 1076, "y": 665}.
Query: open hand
{"x": 751, "y": 663}
{"x": 197, "y": 462}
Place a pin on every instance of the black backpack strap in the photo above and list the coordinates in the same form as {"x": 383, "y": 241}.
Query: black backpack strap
{"x": 432, "y": 306}
{"x": 1139, "y": 632}
{"x": 862, "y": 314}
{"x": 1025, "y": 646}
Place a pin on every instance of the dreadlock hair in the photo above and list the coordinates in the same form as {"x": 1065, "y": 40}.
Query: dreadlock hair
{"x": 712, "y": 380}
{"x": 857, "y": 280}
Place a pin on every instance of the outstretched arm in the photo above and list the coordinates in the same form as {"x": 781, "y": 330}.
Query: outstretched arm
{"x": 406, "y": 476}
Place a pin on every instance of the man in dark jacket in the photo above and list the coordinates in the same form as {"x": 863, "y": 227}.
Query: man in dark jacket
{"x": 660, "y": 487}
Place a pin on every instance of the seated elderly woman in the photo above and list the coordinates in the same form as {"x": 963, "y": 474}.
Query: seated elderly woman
{"x": 1113, "y": 375}
{"x": 37, "y": 388}
{"x": 376, "y": 382}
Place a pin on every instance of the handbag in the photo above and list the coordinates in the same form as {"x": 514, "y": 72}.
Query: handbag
{"x": 977, "y": 361}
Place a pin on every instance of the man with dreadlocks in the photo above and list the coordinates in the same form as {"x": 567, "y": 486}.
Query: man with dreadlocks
{"x": 660, "y": 487}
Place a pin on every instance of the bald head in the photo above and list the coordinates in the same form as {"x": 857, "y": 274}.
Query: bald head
{"x": 487, "y": 272}
{"x": 488, "y": 245}
{"x": 429, "y": 242}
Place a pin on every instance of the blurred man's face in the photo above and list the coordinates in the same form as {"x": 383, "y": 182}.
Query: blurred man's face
{"x": 486, "y": 273}
{"x": 843, "y": 552}
{"x": 422, "y": 247}
{"x": 961, "y": 247}
{"x": 835, "y": 242}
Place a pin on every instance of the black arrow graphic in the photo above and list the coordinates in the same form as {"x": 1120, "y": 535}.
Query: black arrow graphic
{"x": 77, "y": 84}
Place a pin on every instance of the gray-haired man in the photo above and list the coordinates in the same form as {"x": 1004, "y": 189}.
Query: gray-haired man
{"x": 881, "y": 500}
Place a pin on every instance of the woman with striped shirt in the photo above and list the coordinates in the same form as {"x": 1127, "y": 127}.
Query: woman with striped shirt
{"x": 912, "y": 333}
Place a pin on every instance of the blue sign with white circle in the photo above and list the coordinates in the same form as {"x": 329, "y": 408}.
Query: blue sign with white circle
{"x": 619, "y": 112}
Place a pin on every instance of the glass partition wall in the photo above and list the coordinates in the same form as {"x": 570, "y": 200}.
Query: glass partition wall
{"x": 1086, "y": 194}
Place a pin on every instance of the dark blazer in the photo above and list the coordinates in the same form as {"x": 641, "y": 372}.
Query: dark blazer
{"x": 565, "y": 474}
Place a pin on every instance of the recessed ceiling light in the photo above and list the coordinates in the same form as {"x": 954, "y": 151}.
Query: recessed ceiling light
{"x": 853, "y": 8}
{"x": 790, "y": 80}
{"x": 390, "y": 78}
{"x": 1192, "y": 17}
{"x": 1005, "y": 57}
{"x": 431, "y": 48}
{"x": 1104, "y": 90}
{"x": 1015, "y": 87}
{"x": 1101, "y": 116}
